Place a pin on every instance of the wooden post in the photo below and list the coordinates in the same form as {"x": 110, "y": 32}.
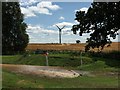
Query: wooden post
{"x": 46, "y": 56}
{"x": 46, "y": 60}
{"x": 81, "y": 62}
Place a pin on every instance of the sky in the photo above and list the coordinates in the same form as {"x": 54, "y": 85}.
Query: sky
{"x": 43, "y": 16}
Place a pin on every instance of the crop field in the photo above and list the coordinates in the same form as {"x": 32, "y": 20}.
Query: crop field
{"x": 76, "y": 47}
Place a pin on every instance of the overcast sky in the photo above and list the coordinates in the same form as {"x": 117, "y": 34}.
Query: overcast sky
{"x": 41, "y": 18}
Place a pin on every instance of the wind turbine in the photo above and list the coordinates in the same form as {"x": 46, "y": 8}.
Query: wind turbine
{"x": 60, "y": 29}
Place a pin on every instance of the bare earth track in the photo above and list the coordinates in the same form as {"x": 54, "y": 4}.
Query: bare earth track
{"x": 47, "y": 71}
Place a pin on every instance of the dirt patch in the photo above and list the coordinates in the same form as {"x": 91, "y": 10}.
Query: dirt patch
{"x": 48, "y": 71}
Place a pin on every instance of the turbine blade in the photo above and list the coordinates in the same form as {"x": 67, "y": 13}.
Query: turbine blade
{"x": 63, "y": 27}
{"x": 58, "y": 27}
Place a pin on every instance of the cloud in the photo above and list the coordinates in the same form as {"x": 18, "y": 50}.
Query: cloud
{"x": 62, "y": 18}
{"x": 49, "y": 5}
{"x": 39, "y": 34}
{"x": 37, "y": 29}
{"x": 28, "y": 2}
{"x": 27, "y": 12}
{"x": 76, "y": 22}
{"x": 63, "y": 24}
{"x": 67, "y": 31}
{"x": 40, "y": 8}
{"x": 83, "y": 9}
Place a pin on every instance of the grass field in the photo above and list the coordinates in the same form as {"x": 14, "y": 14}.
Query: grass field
{"x": 103, "y": 74}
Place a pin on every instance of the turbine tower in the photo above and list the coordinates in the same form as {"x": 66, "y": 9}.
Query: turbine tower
{"x": 60, "y": 29}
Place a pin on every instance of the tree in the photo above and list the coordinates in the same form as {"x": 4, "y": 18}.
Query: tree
{"x": 14, "y": 37}
{"x": 101, "y": 21}
{"x": 77, "y": 41}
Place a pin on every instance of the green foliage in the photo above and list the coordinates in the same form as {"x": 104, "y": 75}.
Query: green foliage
{"x": 14, "y": 36}
{"x": 110, "y": 58}
{"x": 101, "y": 21}
{"x": 109, "y": 55}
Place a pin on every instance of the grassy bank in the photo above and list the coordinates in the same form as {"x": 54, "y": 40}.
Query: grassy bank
{"x": 90, "y": 61}
{"x": 103, "y": 71}
{"x": 11, "y": 80}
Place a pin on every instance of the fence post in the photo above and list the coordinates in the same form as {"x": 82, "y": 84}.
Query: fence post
{"x": 46, "y": 56}
{"x": 81, "y": 62}
{"x": 46, "y": 60}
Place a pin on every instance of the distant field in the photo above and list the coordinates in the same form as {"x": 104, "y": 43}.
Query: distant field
{"x": 77, "y": 47}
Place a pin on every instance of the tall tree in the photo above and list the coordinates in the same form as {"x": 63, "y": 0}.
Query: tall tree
{"x": 101, "y": 21}
{"x": 14, "y": 37}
